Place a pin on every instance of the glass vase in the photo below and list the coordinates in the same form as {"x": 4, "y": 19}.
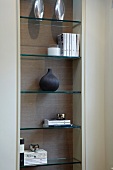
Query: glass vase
{"x": 59, "y": 9}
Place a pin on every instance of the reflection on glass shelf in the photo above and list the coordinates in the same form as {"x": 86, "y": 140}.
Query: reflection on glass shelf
{"x": 57, "y": 161}
{"x": 54, "y": 127}
{"x": 45, "y": 56}
{"x": 49, "y": 21}
{"x": 47, "y": 92}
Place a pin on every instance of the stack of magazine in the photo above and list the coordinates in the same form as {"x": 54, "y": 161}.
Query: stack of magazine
{"x": 69, "y": 44}
{"x": 52, "y": 123}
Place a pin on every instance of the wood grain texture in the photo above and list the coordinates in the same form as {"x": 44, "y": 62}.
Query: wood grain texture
{"x": 39, "y": 35}
{"x": 36, "y": 108}
{"x": 34, "y": 70}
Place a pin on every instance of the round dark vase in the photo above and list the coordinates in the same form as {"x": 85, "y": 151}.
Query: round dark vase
{"x": 49, "y": 82}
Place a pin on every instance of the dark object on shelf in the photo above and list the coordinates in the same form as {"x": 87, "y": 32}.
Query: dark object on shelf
{"x": 21, "y": 152}
{"x": 34, "y": 147}
{"x": 49, "y": 82}
{"x": 61, "y": 116}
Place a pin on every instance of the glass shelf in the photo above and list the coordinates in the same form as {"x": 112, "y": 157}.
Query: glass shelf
{"x": 49, "y": 22}
{"x": 57, "y": 161}
{"x": 47, "y": 92}
{"x": 55, "y": 127}
{"x": 45, "y": 56}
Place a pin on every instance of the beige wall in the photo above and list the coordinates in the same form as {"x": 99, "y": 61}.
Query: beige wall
{"x": 94, "y": 84}
{"x": 109, "y": 85}
{"x": 8, "y": 85}
{"x": 93, "y": 118}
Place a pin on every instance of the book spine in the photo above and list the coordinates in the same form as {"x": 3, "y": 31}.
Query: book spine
{"x": 67, "y": 44}
{"x": 70, "y": 44}
{"x": 59, "y": 42}
{"x": 52, "y": 122}
{"x": 62, "y": 42}
{"x": 58, "y": 123}
{"x": 74, "y": 45}
{"x": 77, "y": 45}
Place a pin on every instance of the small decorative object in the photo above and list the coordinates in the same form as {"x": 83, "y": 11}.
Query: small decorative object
{"x": 38, "y": 157}
{"x": 34, "y": 147}
{"x": 54, "y": 50}
{"x": 49, "y": 82}
{"x": 61, "y": 116}
{"x": 39, "y": 9}
{"x": 21, "y": 152}
{"x": 59, "y": 9}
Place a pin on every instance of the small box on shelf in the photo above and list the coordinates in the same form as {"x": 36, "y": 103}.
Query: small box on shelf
{"x": 38, "y": 157}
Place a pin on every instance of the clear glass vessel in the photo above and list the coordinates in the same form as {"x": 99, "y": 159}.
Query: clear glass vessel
{"x": 59, "y": 9}
{"x": 39, "y": 9}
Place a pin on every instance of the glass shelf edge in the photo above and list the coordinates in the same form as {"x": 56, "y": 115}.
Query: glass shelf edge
{"x": 56, "y": 127}
{"x": 43, "y": 56}
{"x": 62, "y": 161}
{"x": 49, "y": 19}
{"x": 48, "y": 92}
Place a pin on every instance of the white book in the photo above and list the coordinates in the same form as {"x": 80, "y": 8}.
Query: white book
{"x": 67, "y": 44}
{"x": 77, "y": 45}
{"x": 70, "y": 44}
{"x": 59, "y": 121}
{"x": 73, "y": 41}
{"x": 56, "y": 123}
{"x": 62, "y": 43}
{"x": 46, "y": 121}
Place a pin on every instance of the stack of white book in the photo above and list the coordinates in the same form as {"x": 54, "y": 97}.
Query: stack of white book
{"x": 56, "y": 123}
{"x": 69, "y": 44}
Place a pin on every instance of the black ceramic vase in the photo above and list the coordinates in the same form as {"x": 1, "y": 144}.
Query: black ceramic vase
{"x": 49, "y": 82}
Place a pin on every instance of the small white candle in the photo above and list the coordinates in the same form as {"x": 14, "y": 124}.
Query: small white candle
{"x": 54, "y": 51}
